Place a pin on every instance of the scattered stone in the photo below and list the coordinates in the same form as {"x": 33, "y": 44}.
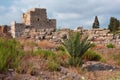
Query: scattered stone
{"x": 82, "y": 77}
{"x": 97, "y": 66}
{"x": 2, "y": 77}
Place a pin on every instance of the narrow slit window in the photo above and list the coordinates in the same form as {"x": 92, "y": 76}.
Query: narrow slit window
{"x": 38, "y": 19}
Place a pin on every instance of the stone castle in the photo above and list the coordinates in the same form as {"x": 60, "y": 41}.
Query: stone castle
{"x": 36, "y": 19}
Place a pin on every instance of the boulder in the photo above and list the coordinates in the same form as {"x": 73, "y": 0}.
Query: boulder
{"x": 97, "y": 66}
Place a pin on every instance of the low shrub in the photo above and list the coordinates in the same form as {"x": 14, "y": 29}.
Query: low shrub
{"x": 61, "y": 48}
{"x": 10, "y": 54}
{"x": 91, "y": 56}
{"x": 103, "y": 60}
{"x": 53, "y": 66}
{"x": 93, "y": 45}
{"x": 62, "y": 58}
{"x": 76, "y": 45}
{"x": 110, "y": 45}
{"x": 44, "y": 53}
{"x": 118, "y": 62}
{"x": 75, "y": 61}
{"x": 116, "y": 58}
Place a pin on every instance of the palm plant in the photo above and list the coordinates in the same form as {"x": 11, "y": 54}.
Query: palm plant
{"x": 76, "y": 46}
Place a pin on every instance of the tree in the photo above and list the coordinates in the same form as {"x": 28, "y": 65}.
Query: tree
{"x": 111, "y": 24}
{"x": 114, "y": 24}
{"x": 76, "y": 46}
{"x": 96, "y": 23}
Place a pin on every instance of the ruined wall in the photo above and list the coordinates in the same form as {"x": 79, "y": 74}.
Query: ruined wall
{"x": 17, "y": 29}
{"x": 34, "y": 19}
{"x": 4, "y": 29}
{"x": 37, "y": 18}
{"x": 26, "y": 18}
{"x": 1, "y": 29}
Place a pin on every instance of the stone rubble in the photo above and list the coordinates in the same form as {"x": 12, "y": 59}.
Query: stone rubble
{"x": 97, "y": 66}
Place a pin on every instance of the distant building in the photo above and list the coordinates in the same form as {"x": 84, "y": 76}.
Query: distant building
{"x": 35, "y": 18}
{"x": 4, "y": 28}
{"x": 5, "y": 31}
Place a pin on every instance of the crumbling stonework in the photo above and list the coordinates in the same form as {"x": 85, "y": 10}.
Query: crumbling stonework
{"x": 5, "y": 31}
{"x": 34, "y": 19}
{"x": 37, "y": 18}
{"x": 17, "y": 29}
{"x": 100, "y": 36}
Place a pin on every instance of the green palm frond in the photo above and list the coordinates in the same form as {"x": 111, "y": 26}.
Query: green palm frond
{"x": 76, "y": 45}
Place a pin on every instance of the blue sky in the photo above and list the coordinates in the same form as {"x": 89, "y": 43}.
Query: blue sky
{"x": 69, "y": 13}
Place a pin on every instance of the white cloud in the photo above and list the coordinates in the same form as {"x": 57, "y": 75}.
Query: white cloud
{"x": 67, "y": 12}
{"x": 65, "y": 16}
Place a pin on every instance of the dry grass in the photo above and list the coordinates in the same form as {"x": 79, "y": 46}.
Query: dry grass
{"x": 76, "y": 70}
{"x": 99, "y": 47}
{"x": 110, "y": 55}
{"x": 46, "y": 45}
{"x": 102, "y": 75}
{"x": 25, "y": 42}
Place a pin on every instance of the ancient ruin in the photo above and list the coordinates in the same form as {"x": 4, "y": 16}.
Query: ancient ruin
{"x": 4, "y": 29}
{"x": 100, "y": 36}
{"x": 37, "y": 27}
{"x": 34, "y": 19}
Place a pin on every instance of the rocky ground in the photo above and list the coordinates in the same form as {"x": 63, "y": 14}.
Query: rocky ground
{"x": 36, "y": 69}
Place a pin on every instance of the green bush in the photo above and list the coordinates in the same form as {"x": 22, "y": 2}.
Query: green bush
{"x": 59, "y": 57}
{"x": 61, "y": 48}
{"x": 75, "y": 61}
{"x": 110, "y": 45}
{"x": 53, "y": 66}
{"x": 62, "y": 58}
{"x": 76, "y": 45}
{"x": 92, "y": 56}
{"x": 118, "y": 62}
{"x": 116, "y": 58}
{"x": 10, "y": 54}
{"x": 93, "y": 45}
{"x": 45, "y": 53}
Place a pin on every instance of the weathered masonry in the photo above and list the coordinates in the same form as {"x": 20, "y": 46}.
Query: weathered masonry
{"x": 36, "y": 19}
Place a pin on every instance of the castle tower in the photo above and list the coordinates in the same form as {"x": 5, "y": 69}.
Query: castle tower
{"x": 37, "y": 18}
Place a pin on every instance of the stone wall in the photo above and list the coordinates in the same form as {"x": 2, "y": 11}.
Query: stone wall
{"x": 98, "y": 36}
{"x": 17, "y": 29}
{"x": 4, "y": 29}
{"x": 37, "y": 18}
{"x": 34, "y": 19}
